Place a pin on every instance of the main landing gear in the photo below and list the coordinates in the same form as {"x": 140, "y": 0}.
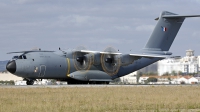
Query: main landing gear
{"x": 87, "y": 82}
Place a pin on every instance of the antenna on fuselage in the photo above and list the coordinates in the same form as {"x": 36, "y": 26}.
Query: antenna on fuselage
{"x": 62, "y": 51}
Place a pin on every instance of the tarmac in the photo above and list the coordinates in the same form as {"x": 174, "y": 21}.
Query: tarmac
{"x": 85, "y": 86}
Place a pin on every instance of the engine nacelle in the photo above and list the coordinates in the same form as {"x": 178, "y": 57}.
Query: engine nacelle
{"x": 127, "y": 59}
{"x": 97, "y": 59}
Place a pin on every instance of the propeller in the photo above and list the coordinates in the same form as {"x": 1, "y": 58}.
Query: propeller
{"x": 82, "y": 61}
{"x": 110, "y": 61}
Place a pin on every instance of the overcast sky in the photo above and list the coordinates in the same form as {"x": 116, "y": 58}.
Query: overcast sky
{"x": 124, "y": 24}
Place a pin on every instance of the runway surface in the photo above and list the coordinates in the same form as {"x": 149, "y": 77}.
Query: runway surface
{"x": 83, "y": 86}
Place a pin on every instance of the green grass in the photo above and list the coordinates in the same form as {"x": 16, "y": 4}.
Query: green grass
{"x": 101, "y": 99}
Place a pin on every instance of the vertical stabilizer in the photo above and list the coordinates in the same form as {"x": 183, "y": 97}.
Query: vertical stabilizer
{"x": 165, "y": 31}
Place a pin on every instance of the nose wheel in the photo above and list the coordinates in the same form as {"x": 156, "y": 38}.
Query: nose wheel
{"x": 29, "y": 81}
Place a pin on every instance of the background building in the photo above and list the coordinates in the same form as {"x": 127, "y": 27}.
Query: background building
{"x": 130, "y": 78}
{"x": 186, "y": 65}
{"x": 174, "y": 66}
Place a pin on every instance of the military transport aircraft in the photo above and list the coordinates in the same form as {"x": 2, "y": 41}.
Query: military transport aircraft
{"x": 81, "y": 66}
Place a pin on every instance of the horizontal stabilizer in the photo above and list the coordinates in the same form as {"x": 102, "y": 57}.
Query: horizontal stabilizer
{"x": 179, "y": 16}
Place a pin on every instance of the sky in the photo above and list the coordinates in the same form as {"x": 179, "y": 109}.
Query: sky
{"x": 96, "y": 24}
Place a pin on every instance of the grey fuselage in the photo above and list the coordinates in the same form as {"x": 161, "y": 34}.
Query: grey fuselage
{"x": 48, "y": 65}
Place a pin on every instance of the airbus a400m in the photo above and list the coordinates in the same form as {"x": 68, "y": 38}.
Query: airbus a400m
{"x": 81, "y": 66}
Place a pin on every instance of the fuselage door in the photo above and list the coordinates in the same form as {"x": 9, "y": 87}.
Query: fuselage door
{"x": 42, "y": 70}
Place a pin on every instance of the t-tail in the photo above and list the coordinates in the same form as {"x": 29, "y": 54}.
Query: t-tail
{"x": 165, "y": 31}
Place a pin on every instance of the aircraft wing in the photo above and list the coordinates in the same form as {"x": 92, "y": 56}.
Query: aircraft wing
{"x": 88, "y": 51}
{"x": 149, "y": 55}
{"x": 29, "y": 51}
{"x": 135, "y": 54}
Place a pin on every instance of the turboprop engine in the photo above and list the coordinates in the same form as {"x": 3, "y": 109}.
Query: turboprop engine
{"x": 110, "y": 61}
{"x": 82, "y": 61}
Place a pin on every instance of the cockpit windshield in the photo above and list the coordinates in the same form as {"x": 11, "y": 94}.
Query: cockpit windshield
{"x": 15, "y": 57}
{"x": 19, "y": 57}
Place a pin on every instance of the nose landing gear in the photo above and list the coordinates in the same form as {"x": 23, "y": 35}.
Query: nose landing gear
{"x": 29, "y": 81}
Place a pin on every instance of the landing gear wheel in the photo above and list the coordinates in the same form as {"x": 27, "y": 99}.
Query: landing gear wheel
{"x": 103, "y": 82}
{"x": 92, "y": 82}
{"x": 99, "y": 82}
{"x": 30, "y": 82}
{"x": 107, "y": 82}
{"x": 77, "y": 82}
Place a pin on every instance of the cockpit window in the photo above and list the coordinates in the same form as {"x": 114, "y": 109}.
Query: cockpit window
{"x": 24, "y": 57}
{"x": 15, "y": 57}
{"x": 20, "y": 57}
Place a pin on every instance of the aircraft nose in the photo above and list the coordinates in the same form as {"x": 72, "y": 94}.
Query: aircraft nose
{"x": 11, "y": 66}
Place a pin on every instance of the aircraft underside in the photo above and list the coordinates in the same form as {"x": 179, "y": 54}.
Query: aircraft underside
{"x": 69, "y": 81}
{"x": 73, "y": 81}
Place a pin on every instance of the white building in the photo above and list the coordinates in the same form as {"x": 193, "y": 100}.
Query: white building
{"x": 130, "y": 78}
{"x": 170, "y": 80}
{"x": 143, "y": 79}
{"x": 187, "y": 64}
{"x": 193, "y": 80}
{"x": 20, "y": 82}
{"x": 37, "y": 82}
{"x": 198, "y": 62}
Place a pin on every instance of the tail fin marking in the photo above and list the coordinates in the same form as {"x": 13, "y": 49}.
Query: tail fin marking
{"x": 165, "y": 31}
